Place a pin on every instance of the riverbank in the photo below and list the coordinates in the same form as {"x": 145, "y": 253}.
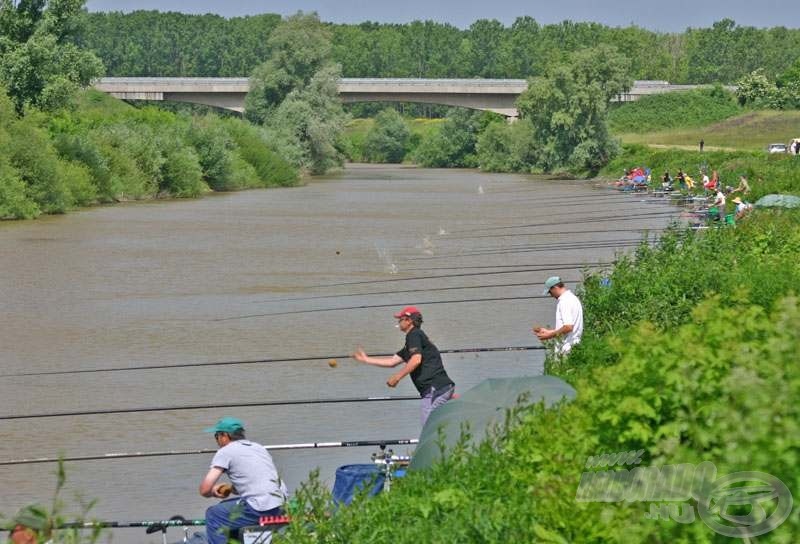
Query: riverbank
{"x": 104, "y": 151}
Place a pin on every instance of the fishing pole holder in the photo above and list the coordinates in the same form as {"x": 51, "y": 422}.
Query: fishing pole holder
{"x": 388, "y": 463}
{"x": 156, "y": 527}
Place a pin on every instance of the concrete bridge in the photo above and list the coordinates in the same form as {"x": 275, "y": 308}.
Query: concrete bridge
{"x": 497, "y": 95}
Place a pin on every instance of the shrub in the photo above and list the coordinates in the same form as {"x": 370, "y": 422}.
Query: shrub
{"x": 386, "y": 140}
{"x": 181, "y": 174}
{"x": 14, "y": 203}
{"x": 213, "y": 145}
{"x": 78, "y": 183}
{"x": 81, "y": 148}
{"x": 271, "y": 168}
{"x": 30, "y": 151}
{"x": 453, "y": 145}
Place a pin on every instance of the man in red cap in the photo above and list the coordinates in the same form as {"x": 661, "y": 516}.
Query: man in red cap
{"x": 422, "y": 361}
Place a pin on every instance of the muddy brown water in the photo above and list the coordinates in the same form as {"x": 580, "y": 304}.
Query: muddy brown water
{"x": 156, "y": 283}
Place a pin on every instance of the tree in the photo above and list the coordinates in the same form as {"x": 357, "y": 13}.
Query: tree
{"x": 386, "y": 141}
{"x": 294, "y": 94}
{"x": 753, "y": 87}
{"x": 306, "y": 126}
{"x": 38, "y": 64}
{"x": 568, "y": 108}
{"x": 299, "y": 47}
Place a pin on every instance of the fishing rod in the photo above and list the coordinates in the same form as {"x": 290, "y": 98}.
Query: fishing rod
{"x": 254, "y": 361}
{"x": 460, "y": 275}
{"x": 534, "y": 249}
{"x": 628, "y": 217}
{"x": 370, "y": 306}
{"x": 542, "y": 245}
{"x": 210, "y": 406}
{"x": 402, "y": 291}
{"x": 490, "y": 266}
{"x": 167, "y": 453}
{"x": 564, "y": 232}
{"x": 158, "y": 525}
{"x": 561, "y": 214}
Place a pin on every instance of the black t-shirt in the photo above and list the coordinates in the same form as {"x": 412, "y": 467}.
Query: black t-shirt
{"x": 430, "y": 372}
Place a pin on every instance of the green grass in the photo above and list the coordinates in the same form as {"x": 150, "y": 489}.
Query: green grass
{"x": 752, "y": 130}
{"x": 673, "y": 110}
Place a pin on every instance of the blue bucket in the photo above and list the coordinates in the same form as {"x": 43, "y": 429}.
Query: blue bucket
{"x": 351, "y": 479}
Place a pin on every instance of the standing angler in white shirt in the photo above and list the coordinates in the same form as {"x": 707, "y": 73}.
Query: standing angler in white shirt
{"x": 569, "y": 317}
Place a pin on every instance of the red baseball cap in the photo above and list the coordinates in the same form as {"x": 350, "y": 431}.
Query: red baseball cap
{"x": 408, "y": 311}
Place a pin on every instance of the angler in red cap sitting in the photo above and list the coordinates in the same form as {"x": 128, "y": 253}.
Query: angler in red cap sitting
{"x": 422, "y": 361}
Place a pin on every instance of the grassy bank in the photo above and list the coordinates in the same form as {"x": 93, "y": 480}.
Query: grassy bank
{"x": 103, "y": 150}
{"x": 752, "y": 130}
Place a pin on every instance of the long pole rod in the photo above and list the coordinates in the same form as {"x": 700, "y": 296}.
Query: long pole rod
{"x": 274, "y": 447}
{"x": 210, "y": 406}
{"x": 251, "y": 362}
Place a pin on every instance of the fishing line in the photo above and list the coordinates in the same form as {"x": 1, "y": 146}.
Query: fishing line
{"x": 628, "y": 217}
{"x": 370, "y": 306}
{"x": 402, "y": 291}
{"x": 253, "y": 361}
{"x": 565, "y": 232}
{"x": 460, "y": 275}
{"x": 532, "y": 249}
{"x": 274, "y": 447}
{"x": 210, "y": 406}
{"x": 490, "y": 266}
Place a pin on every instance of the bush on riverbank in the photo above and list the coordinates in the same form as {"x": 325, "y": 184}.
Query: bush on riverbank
{"x": 105, "y": 151}
{"x": 689, "y": 355}
{"x": 386, "y": 141}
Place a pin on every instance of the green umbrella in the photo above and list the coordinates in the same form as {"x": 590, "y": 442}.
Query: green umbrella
{"x": 480, "y": 407}
{"x": 778, "y": 201}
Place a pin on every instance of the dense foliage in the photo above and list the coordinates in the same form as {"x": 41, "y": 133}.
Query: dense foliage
{"x": 758, "y": 90}
{"x": 386, "y": 141}
{"x": 672, "y": 110}
{"x": 171, "y": 44}
{"x": 688, "y": 355}
{"x": 106, "y": 151}
{"x": 454, "y": 144}
{"x": 294, "y": 95}
{"x": 39, "y": 64}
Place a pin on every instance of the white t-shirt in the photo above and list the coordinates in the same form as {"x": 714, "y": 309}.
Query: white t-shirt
{"x": 252, "y": 472}
{"x": 569, "y": 311}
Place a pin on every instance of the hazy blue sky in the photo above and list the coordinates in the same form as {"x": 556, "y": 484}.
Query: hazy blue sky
{"x": 665, "y": 15}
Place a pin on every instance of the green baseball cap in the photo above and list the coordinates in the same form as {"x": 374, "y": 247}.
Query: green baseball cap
{"x": 551, "y": 282}
{"x": 226, "y": 425}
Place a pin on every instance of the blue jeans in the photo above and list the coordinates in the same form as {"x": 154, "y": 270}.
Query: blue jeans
{"x": 231, "y": 515}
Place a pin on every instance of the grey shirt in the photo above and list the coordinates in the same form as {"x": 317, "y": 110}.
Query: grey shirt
{"x": 252, "y": 472}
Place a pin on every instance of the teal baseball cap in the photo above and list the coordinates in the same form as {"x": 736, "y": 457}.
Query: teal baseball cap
{"x": 226, "y": 425}
{"x": 32, "y": 516}
{"x": 551, "y": 282}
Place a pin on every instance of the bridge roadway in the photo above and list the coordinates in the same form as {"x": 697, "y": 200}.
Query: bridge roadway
{"x": 497, "y": 95}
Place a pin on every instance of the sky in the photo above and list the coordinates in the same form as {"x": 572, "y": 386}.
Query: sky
{"x": 661, "y": 15}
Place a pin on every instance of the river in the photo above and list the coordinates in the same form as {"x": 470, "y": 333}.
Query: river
{"x": 161, "y": 283}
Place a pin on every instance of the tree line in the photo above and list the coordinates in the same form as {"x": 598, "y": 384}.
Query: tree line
{"x": 151, "y": 43}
